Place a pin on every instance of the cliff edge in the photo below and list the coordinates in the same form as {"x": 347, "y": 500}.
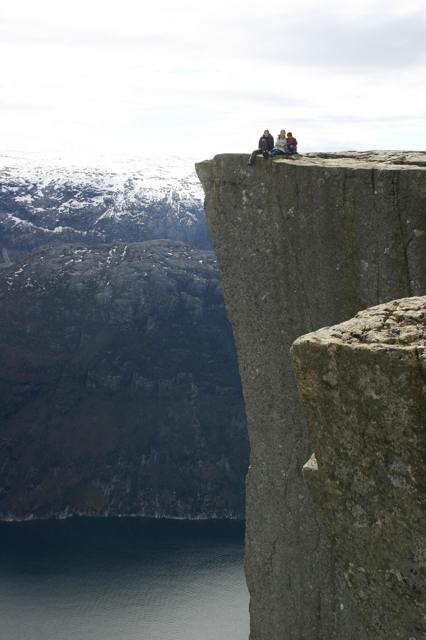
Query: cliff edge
{"x": 363, "y": 387}
{"x": 302, "y": 244}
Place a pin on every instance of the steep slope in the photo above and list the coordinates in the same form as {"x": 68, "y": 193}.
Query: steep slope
{"x": 120, "y": 392}
{"x": 303, "y": 243}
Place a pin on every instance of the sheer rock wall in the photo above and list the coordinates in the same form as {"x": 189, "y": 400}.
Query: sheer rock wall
{"x": 303, "y": 243}
{"x": 363, "y": 387}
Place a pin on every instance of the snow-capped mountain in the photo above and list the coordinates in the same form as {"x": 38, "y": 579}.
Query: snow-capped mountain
{"x": 96, "y": 200}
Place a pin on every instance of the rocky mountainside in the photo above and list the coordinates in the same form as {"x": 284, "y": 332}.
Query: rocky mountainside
{"x": 97, "y": 201}
{"x": 120, "y": 391}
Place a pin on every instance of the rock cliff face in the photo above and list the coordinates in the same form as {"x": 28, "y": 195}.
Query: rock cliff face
{"x": 304, "y": 243}
{"x": 119, "y": 388}
{"x": 363, "y": 386}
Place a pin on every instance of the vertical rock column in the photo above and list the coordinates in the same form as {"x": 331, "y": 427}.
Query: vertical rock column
{"x": 300, "y": 245}
{"x": 363, "y": 386}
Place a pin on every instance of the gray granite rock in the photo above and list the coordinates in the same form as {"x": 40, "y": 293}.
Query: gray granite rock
{"x": 303, "y": 243}
{"x": 363, "y": 387}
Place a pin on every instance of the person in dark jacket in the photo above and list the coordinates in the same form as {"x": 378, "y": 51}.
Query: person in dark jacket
{"x": 266, "y": 143}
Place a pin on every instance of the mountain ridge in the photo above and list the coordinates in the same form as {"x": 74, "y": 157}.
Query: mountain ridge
{"x": 97, "y": 201}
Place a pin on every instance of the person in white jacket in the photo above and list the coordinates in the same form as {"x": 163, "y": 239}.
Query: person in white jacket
{"x": 280, "y": 145}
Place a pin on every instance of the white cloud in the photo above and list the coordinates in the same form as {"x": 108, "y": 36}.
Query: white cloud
{"x": 190, "y": 78}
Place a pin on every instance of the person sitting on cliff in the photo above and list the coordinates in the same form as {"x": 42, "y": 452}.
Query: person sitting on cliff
{"x": 266, "y": 143}
{"x": 280, "y": 148}
{"x": 291, "y": 143}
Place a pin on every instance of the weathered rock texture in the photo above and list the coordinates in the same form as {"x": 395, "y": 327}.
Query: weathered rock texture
{"x": 301, "y": 244}
{"x": 119, "y": 386}
{"x": 363, "y": 387}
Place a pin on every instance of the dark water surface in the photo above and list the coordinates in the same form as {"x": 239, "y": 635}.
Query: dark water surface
{"x": 122, "y": 578}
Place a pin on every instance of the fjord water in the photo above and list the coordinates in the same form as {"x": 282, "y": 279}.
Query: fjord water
{"x": 122, "y": 578}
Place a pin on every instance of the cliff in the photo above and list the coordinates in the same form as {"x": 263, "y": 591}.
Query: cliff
{"x": 301, "y": 244}
{"x": 119, "y": 387}
{"x": 363, "y": 387}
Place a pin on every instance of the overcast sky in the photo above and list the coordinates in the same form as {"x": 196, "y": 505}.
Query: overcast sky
{"x": 198, "y": 78}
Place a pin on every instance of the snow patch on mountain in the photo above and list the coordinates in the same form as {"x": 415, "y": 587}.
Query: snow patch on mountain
{"x": 127, "y": 178}
{"x": 107, "y": 199}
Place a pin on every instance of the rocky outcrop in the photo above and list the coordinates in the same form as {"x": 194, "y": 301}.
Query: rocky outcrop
{"x": 363, "y": 387}
{"x": 126, "y": 200}
{"x": 303, "y": 243}
{"x": 119, "y": 387}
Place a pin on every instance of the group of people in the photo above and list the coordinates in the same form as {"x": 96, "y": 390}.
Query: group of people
{"x": 283, "y": 146}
